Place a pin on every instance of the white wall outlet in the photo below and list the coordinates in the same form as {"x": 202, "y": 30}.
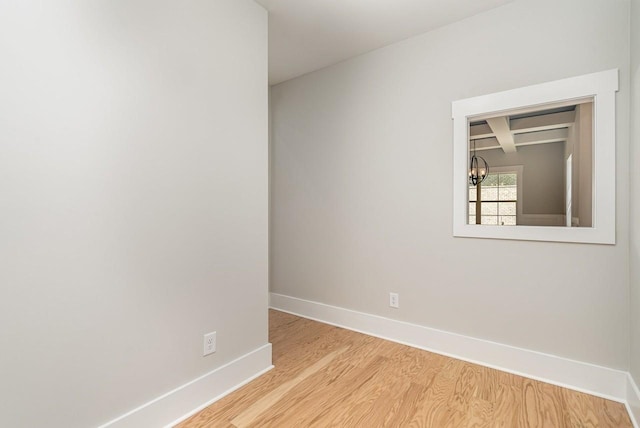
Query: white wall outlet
{"x": 209, "y": 343}
{"x": 394, "y": 300}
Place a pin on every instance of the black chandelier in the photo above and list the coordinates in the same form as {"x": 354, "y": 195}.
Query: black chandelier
{"x": 478, "y": 168}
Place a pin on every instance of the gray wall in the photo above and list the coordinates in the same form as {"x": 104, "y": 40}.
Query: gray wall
{"x": 362, "y": 197}
{"x": 543, "y": 171}
{"x": 634, "y": 261}
{"x": 133, "y": 207}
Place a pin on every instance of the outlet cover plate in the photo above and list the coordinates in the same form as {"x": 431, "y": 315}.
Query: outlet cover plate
{"x": 209, "y": 343}
{"x": 394, "y": 300}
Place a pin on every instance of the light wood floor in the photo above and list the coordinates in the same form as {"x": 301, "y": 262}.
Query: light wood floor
{"x": 327, "y": 376}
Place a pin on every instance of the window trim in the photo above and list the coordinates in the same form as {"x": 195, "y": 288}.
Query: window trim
{"x": 601, "y": 87}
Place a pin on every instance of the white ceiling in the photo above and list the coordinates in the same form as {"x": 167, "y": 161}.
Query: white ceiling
{"x": 306, "y": 35}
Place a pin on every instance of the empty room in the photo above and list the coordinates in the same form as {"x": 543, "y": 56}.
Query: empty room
{"x": 296, "y": 213}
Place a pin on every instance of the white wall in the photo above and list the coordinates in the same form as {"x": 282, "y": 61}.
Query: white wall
{"x": 634, "y": 261}
{"x": 133, "y": 207}
{"x": 362, "y": 201}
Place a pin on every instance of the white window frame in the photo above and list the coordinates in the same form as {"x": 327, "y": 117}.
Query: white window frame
{"x": 601, "y": 87}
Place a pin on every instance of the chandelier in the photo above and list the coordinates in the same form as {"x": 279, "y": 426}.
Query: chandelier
{"x": 478, "y": 168}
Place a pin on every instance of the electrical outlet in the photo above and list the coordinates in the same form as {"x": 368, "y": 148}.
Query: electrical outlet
{"x": 394, "y": 300}
{"x": 209, "y": 343}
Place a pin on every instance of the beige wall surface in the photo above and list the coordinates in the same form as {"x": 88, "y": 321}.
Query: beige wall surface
{"x": 543, "y": 175}
{"x": 133, "y": 207}
{"x": 362, "y": 193}
{"x": 580, "y": 147}
{"x": 634, "y": 261}
{"x": 583, "y": 181}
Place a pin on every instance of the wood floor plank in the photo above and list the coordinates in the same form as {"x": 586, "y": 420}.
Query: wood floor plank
{"x": 331, "y": 407}
{"x": 268, "y": 400}
{"x": 371, "y": 403}
{"x": 468, "y": 385}
{"x": 580, "y": 410}
{"x": 435, "y": 409}
{"x": 507, "y": 400}
{"x": 542, "y": 405}
{"x": 325, "y": 376}
{"x": 479, "y": 413}
{"x": 304, "y": 400}
{"x": 611, "y": 414}
{"x": 414, "y": 395}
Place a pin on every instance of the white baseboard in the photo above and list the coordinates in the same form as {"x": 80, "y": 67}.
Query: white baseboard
{"x": 584, "y": 377}
{"x": 633, "y": 401}
{"x": 177, "y": 405}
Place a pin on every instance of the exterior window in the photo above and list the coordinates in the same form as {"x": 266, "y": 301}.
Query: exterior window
{"x": 498, "y": 200}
